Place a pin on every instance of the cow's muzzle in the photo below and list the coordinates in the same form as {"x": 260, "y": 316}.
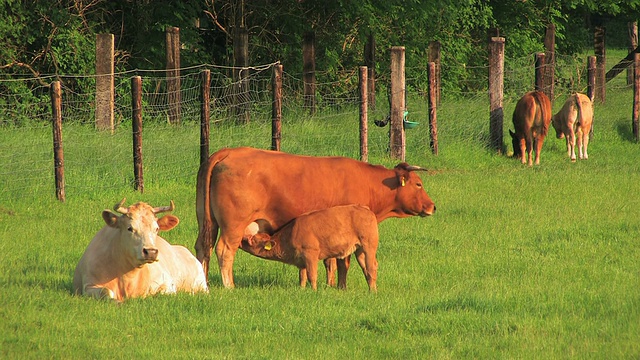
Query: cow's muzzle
{"x": 150, "y": 254}
{"x": 428, "y": 212}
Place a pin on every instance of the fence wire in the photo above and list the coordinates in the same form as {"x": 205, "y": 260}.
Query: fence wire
{"x": 99, "y": 160}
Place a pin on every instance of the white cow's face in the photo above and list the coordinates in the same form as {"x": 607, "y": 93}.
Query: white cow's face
{"x": 138, "y": 232}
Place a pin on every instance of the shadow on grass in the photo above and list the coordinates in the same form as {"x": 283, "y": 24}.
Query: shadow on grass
{"x": 625, "y": 132}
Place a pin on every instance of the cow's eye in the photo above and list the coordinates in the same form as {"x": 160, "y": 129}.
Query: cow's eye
{"x": 419, "y": 185}
{"x": 130, "y": 229}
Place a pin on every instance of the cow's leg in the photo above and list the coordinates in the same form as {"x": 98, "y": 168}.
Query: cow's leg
{"x": 226, "y": 249}
{"x": 343, "y": 269}
{"x": 583, "y": 141}
{"x": 529, "y": 150}
{"x": 538, "y": 143}
{"x": 99, "y": 292}
{"x": 330, "y": 266}
{"x": 302, "y": 276}
{"x": 572, "y": 143}
{"x": 523, "y": 152}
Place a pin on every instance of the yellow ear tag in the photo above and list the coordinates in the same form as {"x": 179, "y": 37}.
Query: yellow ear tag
{"x": 267, "y": 246}
{"x": 403, "y": 181}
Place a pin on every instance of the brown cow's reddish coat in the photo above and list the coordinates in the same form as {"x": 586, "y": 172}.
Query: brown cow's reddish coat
{"x": 531, "y": 119}
{"x": 335, "y": 232}
{"x": 240, "y": 185}
{"x": 576, "y": 116}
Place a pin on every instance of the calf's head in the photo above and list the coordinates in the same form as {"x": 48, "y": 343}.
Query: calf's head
{"x": 138, "y": 228}
{"x": 411, "y": 196}
{"x": 556, "y": 121}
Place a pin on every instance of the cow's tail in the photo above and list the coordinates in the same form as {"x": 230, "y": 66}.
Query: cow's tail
{"x": 544, "y": 110}
{"x": 576, "y": 99}
{"x": 207, "y": 224}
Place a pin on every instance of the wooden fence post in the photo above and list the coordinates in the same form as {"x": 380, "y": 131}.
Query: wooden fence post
{"x": 276, "y": 108}
{"x": 364, "y": 149}
{"x": 636, "y": 97}
{"x": 549, "y": 61}
{"x": 173, "y": 73}
{"x": 58, "y": 153}
{"x": 540, "y": 82}
{"x": 496, "y": 92}
{"x": 105, "y": 89}
{"x": 591, "y": 77}
{"x": 633, "y": 44}
{"x": 370, "y": 62}
{"x": 600, "y": 50}
{"x": 433, "y": 105}
{"x": 136, "y": 112}
{"x": 434, "y": 56}
{"x": 398, "y": 106}
{"x": 205, "y": 114}
{"x": 309, "y": 71}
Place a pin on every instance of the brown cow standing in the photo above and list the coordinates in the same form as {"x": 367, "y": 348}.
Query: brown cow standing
{"x": 329, "y": 233}
{"x": 576, "y": 116}
{"x": 240, "y": 185}
{"x": 531, "y": 119}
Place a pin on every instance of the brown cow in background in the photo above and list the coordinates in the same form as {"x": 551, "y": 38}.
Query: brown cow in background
{"x": 334, "y": 232}
{"x": 531, "y": 119}
{"x": 576, "y": 116}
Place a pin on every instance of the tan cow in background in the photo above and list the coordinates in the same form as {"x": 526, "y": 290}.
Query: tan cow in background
{"x": 334, "y": 232}
{"x": 128, "y": 259}
{"x": 531, "y": 119}
{"x": 575, "y": 117}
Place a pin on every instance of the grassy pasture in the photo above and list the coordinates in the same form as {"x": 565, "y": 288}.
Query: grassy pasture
{"x": 518, "y": 262}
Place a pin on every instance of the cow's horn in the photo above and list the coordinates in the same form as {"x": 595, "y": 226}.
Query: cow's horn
{"x": 119, "y": 208}
{"x": 415, "y": 168}
{"x": 160, "y": 209}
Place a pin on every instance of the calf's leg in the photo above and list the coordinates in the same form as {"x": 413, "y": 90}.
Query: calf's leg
{"x": 330, "y": 266}
{"x": 343, "y": 269}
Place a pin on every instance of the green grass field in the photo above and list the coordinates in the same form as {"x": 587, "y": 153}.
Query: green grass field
{"x": 518, "y": 262}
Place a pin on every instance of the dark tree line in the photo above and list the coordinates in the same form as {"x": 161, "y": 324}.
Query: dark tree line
{"x": 58, "y": 36}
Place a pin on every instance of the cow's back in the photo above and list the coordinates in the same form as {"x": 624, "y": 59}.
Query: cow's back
{"x": 337, "y": 230}
{"x": 586, "y": 111}
{"x": 532, "y": 114}
{"x": 282, "y": 186}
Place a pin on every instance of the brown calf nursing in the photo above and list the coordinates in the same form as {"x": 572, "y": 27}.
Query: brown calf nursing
{"x": 335, "y": 232}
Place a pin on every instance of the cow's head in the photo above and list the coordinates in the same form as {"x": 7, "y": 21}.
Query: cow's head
{"x": 138, "y": 227}
{"x": 556, "y": 121}
{"x": 411, "y": 196}
{"x": 515, "y": 142}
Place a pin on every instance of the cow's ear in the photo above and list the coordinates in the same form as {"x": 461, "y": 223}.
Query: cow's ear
{"x": 168, "y": 222}
{"x": 110, "y": 218}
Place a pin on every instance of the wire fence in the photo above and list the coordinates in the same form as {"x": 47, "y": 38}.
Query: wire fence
{"x": 98, "y": 160}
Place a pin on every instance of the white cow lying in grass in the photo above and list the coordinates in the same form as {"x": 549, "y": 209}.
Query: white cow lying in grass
{"x": 575, "y": 118}
{"x": 128, "y": 259}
